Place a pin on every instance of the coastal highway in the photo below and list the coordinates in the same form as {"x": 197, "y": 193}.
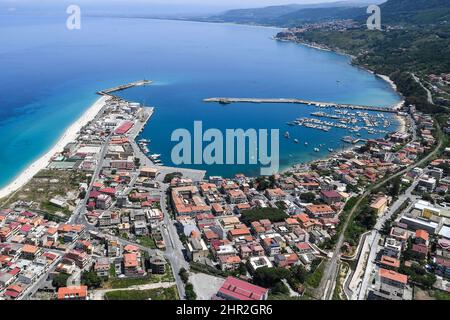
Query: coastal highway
{"x": 326, "y": 288}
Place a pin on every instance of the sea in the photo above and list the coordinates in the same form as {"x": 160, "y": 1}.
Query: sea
{"x": 49, "y": 76}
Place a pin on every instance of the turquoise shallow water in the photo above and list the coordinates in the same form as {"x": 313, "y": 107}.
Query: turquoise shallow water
{"x": 49, "y": 76}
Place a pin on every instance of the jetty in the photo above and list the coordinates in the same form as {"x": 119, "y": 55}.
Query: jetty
{"x": 393, "y": 109}
{"x": 124, "y": 86}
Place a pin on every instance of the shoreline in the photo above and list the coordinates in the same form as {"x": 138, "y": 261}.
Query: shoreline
{"x": 401, "y": 120}
{"x": 71, "y": 132}
{"x": 69, "y": 135}
{"x": 352, "y": 59}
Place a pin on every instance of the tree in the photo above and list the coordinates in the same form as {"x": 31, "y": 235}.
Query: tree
{"x": 172, "y": 175}
{"x": 299, "y": 273}
{"x": 262, "y": 183}
{"x": 273, "y": 214}
{"x": 280, "y": 288}
{"x": 82, "y": 194}
{"x": 269, "y": 277}
{"x": 395, "y": 189}
{"x": 308, "y": 196}
{"x": 242, "y": 269}
{"x": 60, "y": 280}
{"x": 190, "y": 293}
{"x": 183, "y": 275}
{"x": 91, "y": 279}
{"x": 428, "y": 197}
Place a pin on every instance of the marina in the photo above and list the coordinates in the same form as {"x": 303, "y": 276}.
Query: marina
{"x": 354, "y": 122}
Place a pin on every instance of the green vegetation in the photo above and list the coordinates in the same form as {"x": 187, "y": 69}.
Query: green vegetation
{"x": 297, "y": 277}
{"x": 119, "y": 283}
{"x": 397, "y": 53}
{"x": 112, "y": 270}
{"x": 172, "y": 175}
{"x": 338, "y": 293}
{"x": 91, "y": 279}
{"x": 184, "y": 275}
{"x": 393, "y": 11}
{"x": 281, "y": 205}
{"x": 273, "y": 214}
{"x": 147, "y": 241}
{"x": 203, "y": 268}
{"x": 363, "y": 220}
{"x": 440, "y": 295}
{"x": 153, "y": 294}
{"x": 418, "y": 275}
{"x": 60, "y": 280}
{"x": 263, "y": 183}
{"x": 316, "y": 273}
{"x": 189, "y": 290}
{"x": 308, "y": 196}
{"x": 386, "y": 229}
{"x": 270, "y": 277}
{"x": 329, "y": 244}
{"x": 48, "y": 184}
{"x": 416, "y": 272}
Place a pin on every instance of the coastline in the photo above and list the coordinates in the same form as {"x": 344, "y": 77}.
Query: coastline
{"x": 71, "y": 132}
{"x": 352, "y": 57}
{"x": 400, "y": 119}
{"x": 69, "y": 135}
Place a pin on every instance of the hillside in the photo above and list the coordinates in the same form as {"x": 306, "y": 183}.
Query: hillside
{"x": 417, "y": 11}
{"x": 398, "y": 51}
{"x": 393, "y": 12}
{"x": 289, "y": 15}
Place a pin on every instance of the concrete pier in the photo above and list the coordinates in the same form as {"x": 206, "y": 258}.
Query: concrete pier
{"x": 124, "y": 86}
{"x": 305, "y": 102}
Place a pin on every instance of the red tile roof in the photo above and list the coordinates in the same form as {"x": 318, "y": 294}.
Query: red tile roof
{"x": 394, "y": 276}
{"x": 72, "y": 292}
{"x": 242, "y": 290}
{"x": 422, "y": 234}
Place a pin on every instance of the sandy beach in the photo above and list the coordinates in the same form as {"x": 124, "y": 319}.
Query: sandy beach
{"x": 68, "y": 136}
{"x": 388, "y": 80}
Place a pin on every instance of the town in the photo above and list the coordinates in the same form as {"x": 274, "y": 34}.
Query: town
{"x": 104, "y": 221}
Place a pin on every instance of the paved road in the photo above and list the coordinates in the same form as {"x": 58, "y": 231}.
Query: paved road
{"x": 375, "y": 237}
{"x": 78, "y": 216}
{"x": 174, "y": 246}
{"x": 331, "y": 269}
{"x": 429, "y": 95}
{"x": 33, "y": 288}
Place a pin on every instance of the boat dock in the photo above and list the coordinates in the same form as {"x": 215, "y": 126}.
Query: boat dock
{"x": 305, "y": 102}
{"x": 124, "y": 86}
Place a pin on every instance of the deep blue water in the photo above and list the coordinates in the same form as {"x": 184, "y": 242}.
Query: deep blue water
{"x": 49, "y": 76}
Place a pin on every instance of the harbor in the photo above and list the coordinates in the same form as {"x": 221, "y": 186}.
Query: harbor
{"x": 343, "y": 119}
{"x": 393, "y": 109}
{"x": 359, "y": 125}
